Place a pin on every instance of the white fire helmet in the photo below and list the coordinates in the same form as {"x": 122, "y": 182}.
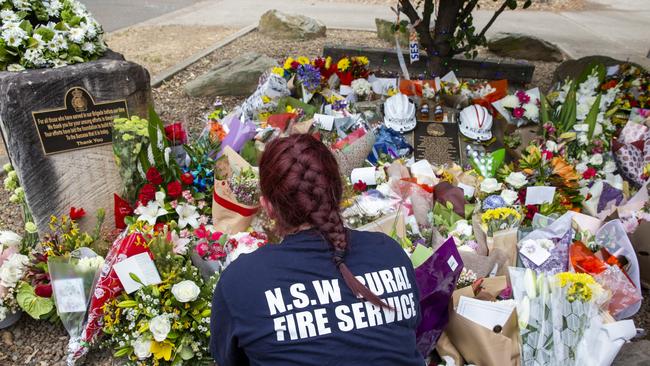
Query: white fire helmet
{"x": 476, "y": 123}
{"x": 399, "y": 113}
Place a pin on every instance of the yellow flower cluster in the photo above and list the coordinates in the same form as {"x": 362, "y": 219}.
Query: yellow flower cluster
{"x": 500, "y": 213}
{"x": 580, "y": 285}
{"x": 343, "y": 64}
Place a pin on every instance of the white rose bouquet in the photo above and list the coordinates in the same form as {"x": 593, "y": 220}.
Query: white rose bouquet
{"x": 164, "y": 324}
{"x": 47, "y": 33}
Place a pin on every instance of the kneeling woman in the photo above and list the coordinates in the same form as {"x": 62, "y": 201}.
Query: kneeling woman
{"x": 326, "y": 295}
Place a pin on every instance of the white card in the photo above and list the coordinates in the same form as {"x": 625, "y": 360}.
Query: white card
{"x": 70, "y": 295}
{"x": 539, "y": 195}
{"x": 381, "y": 86}
{"x": 452, "y": 262}
{"x": 140, "y": 265}
{"x": 324, "y": 121}
{"x": 486, "y": 313}
{"x": 468, "y": 190}
{"x": 535, "y": 252}
{"x": 366, "y": 175}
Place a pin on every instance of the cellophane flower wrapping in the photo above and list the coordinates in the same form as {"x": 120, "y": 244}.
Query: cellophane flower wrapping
{"x": 436, "y": 279}
{"x": 533, "y": 299}
{"x": 612, "y": 236}
{"x": 239, "y": 132}
{"x": 73, "y": 279}
{"x": 108, "y": 286}
{"x": 571, "y": 319}
{"x": 555, "y": 313}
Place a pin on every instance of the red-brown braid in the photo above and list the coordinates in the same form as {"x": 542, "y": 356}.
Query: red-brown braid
{"x": 299, "y": 176}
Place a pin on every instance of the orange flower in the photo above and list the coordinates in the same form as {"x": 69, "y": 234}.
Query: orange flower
{"x": 565, "y": 171}
{"x": 216, "y": 131}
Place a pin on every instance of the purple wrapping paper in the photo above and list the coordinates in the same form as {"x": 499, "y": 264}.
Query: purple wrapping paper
{"x": 436, "y": 279}
{"x": 239, "y": 133}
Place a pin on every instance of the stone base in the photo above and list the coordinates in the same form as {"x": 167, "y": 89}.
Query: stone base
{"x": 86, "y": 177}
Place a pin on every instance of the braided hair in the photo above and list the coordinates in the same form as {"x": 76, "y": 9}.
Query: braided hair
{"x": 300, "y": 178}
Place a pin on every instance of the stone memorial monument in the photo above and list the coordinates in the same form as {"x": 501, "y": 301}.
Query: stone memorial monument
{"x": 56, "y": 125}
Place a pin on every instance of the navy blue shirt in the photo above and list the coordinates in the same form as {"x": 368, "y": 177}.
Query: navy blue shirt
{"x": 287, "y": 304}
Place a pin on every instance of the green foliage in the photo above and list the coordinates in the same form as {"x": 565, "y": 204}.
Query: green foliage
{"x": 37, "y": 307}
{"x": 593, "y": 116}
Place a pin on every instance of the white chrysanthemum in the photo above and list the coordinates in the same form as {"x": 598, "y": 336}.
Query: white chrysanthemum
{"x": 58, "y": 43}
{"x": 88, "y": 47}
{"x": 90, "y": 28}
{"x": 510, "y": 101}
{"x": 53, "y": 7}
{"x": 531, "y": 111}
{"x": 15, "y": 67}
{"x": 34, "y": 56}
{"x": 8, "y": 16}
{"x": 12, "y": 34}
{"x": 21, "y": 4}
{"x": 76, "y": 35}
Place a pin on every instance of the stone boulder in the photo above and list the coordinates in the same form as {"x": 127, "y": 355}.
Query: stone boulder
{"x": 238, "y": 77}
{"x": 385, "y": 32}
{"x": 277, "y": 24}
{"x": 573, "y": 68}
{"x": 85, "y": 176}
{"x": 522, "y": 46}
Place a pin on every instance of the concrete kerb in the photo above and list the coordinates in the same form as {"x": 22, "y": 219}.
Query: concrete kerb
{"x": 169, "y": 72}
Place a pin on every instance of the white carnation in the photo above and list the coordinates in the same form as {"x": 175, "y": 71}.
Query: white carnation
{"x": 13, "y": 269}
{"x": 10, "y": 239}
{"x": 610, "y": 167}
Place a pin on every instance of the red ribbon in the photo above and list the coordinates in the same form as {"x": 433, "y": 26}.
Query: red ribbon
{"x": 244, "y": 211}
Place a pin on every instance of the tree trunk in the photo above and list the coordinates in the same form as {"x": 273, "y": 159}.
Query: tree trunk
{"x": 440, "y": 50}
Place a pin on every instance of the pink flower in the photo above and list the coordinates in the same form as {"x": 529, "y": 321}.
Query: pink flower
{"x": 202, "y": 248}
{"x": 174, "y": 204}
{"x": 547, "y": 155}
{"x": 201, "y": 205}
{"x": 203, "y": 220}
{"x": 518, "y": 112}
{"x": 523, "y": 97}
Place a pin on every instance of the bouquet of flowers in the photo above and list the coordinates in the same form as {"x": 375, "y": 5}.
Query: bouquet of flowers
{"x": 349, "y": 69}
{"x": 55, "y": 33}
{"x": 554, "y": 312}
{"x": 164, "y": 324}
{"x": 13, "y": 266}
{"x": 519, "y": 108}
{"x": 17, "y": 196}
{"x": 502, "y": 218}
{"x": 130, "y": 137}
{"x": 34, "y": 292}
{"x": 177, "y": 137}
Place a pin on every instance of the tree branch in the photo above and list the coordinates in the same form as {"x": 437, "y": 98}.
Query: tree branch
{"x": 494, "y": 17}
{"x": 427, "y": 12}
{"x": 467, "y": 10}
{"x": 407, "y": 8}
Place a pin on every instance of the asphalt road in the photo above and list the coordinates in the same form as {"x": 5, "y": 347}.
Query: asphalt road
{"x": 117, "y": 14}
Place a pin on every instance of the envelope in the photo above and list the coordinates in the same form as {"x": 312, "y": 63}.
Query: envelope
{"x": 387, "y": 225}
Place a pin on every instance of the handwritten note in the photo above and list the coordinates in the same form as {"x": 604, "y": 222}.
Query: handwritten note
{"x": 539, "y": 195}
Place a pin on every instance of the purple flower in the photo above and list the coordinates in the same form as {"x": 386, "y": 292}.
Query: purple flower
{"x": 309, "y": 77}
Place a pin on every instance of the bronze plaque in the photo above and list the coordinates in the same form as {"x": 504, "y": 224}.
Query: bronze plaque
{"x": 439, "y": 143}
{"x": 81, "y": 123}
